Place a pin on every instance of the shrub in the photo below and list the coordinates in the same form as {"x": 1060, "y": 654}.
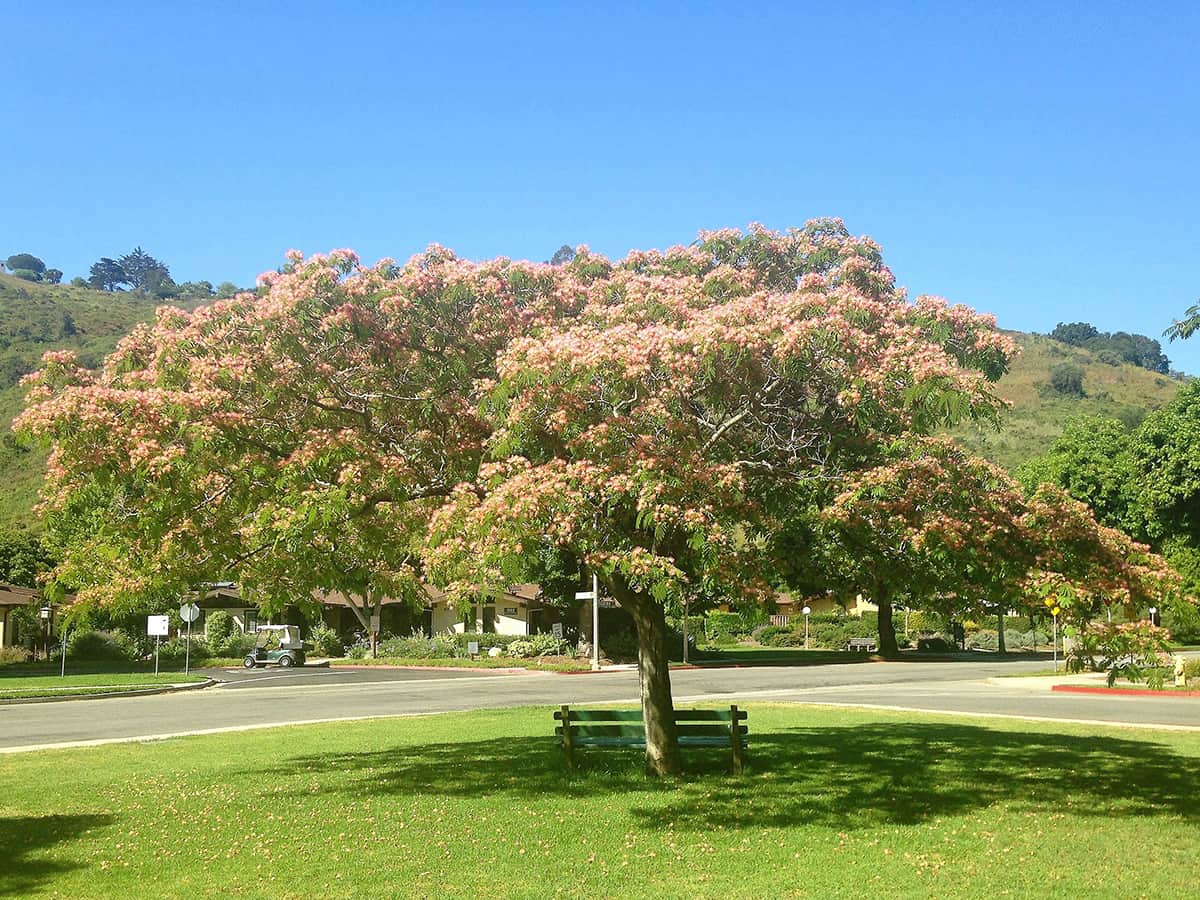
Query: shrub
{"x": 764, "y": 633}
{"x": 986, "y": 639}
{"x": 326, "y": 641}
{"x": 787, "y": 638}
{"x": 1130, "y": 650}
{"x": 485, "y": 641}
{"x": 418, "y": 646}
{"x": 219, "y": 626}
{"x": 174, "y": 651}
{"x": 546, "y": 644}
{"x": 13, "y": 655}
{"x": 1067, "y": 379}
{"x": 620, "y": 646}
{"x": 1191, "y": 668}
{"x": 522, "y": 649}
{"x": 237, "y": 644}
{"x": 726, "y": 627}
{"x": 95, "y": 646}
{"x": 935, "y": 644}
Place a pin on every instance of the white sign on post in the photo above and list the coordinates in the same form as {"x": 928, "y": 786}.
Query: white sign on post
{"x": 189, "y": 612}
{"x": 375, "y": 624}
{"x": 556, "y": 630}
{"x": 158, "y": 626}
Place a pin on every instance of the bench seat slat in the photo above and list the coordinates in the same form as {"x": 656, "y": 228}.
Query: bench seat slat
{"x": 636, "y": 742}
{"x": 602, "y": 715}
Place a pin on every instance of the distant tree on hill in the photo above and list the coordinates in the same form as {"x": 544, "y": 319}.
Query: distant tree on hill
{"x": 1077, "y": 334}
{"x": 26, "y": 262}
{"x": 227, "y": 289}
{"x": 1067, "y": 380}
{"x": 1114, "y": 348}
{"x": 194, "y": 290}
{"x": 79, "y": 281}
{"x": 107, "y": 275}
{"x": 144, "y": 272}
{"x": 52, "y": 276}
{"x": 562, "y": 255}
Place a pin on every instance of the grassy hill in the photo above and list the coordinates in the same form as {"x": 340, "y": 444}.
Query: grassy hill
{"x": 35, "y": 318}
{"x": 1038, "y": 412}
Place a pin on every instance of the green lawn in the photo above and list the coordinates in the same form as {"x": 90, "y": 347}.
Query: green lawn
{"x": 49, "y": 685}
{"x": 837, "y": 803}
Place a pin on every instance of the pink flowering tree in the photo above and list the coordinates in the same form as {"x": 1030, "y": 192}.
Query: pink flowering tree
{"x": 934, "y": 527}
{"x": 662, "y": 435}
{"x": 296, "y": 440}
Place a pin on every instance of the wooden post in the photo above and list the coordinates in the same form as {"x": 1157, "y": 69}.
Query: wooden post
{"x": 568, "y": 746}
{"x": 735, "y": 740}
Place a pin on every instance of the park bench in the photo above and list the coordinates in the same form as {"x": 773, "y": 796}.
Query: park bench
{"x": 623, "y": 728}
{"x": 867, "y": 644}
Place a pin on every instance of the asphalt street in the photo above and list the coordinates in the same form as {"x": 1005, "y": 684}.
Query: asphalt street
{"x": 270, "y": 697}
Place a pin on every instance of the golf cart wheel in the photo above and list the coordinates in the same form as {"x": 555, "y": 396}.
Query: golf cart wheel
{"x": 286, "y": 662}
{"x": 249, "y": 662}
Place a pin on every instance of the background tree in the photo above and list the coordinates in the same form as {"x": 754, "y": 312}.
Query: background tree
{"x": 107, "y": 275}
{"x": 226, "y": 289}
{"x": 26, "y": 265}
{"x": 79, "y": 281}
{"x": 562, "y": 255}
{"x": 934, "y": 526}
{"x": 52, "y": 276}
{"x": 23, "y": 557}
{"x": 1067, "y": 379}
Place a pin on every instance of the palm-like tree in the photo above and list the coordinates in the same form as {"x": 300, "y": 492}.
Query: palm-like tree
{"x": 1187, "y": 326}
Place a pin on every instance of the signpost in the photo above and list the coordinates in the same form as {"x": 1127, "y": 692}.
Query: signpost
{"x": 806, "y": 611}
{"x": 594, "y": 596}
{"x": 189, "y": 612}
{"x": 157, "y": 627}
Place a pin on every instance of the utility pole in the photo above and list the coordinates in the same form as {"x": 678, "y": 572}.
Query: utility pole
{"x": 594, "y": 596}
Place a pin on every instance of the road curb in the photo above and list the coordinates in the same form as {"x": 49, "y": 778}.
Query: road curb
{"x": 1130, "y": 692}
{"x": 170, "y": 689}
{"x": 513, "y": 670}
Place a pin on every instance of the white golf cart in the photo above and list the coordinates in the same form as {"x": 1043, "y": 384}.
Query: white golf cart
{"x": 278, "y": 645}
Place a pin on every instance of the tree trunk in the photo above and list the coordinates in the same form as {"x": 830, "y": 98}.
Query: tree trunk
{"x": 1000, "y": 648}
{"x": 658, "y": 710}
{"x": 888, "y": 648}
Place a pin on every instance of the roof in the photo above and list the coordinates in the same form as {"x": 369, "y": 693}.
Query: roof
{"x": 15, "y": 595}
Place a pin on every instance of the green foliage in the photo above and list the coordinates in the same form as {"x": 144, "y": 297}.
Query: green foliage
{"x": 23, "y": 556}
{"x": 619, "y": 646}
{"x": 1067, "y": 380}
{"x": 174, "y": 651}
{"x": 326, "y": 641}
{"x": 12, "y": 656}
{"x": 1121, "y": 347}
{"x": 219, "y": 626}
{"x": 764, "y": 633}
{"x": 1128, "y": 650}
{"x": 935, "y": 644}
{"x": 95, "y": 646}
{"x": 418, "y": 646}
{"x": 27, "y": 262}
{"x": 1037, "y": 416}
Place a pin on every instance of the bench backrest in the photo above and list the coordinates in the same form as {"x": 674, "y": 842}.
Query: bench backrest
{"x": 627, "y": 723}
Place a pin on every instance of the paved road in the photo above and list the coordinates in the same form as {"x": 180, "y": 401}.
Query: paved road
{"x": 274, "y": 697}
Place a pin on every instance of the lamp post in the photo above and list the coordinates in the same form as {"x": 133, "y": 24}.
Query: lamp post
{"x": 1154, "y": 615}
{"x": 45, "y": 612}
{"x": 806, "y": 612}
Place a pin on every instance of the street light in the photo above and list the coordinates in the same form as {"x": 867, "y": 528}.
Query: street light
{"x": 1154, "y": 615}
{"x": 45, "y": 614}
{"x": 806, "y": 611}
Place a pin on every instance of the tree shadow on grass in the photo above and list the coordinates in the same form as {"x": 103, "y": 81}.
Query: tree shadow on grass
{"x": 21, "y": 837}
{"x": 848, "y": 777}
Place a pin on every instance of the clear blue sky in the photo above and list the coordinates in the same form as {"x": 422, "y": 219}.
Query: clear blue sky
{"x": 1039, "y": 161}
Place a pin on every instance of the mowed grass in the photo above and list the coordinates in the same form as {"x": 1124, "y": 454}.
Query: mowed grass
{"x": 838, "y": 803}
{"x": 49, "y": 685}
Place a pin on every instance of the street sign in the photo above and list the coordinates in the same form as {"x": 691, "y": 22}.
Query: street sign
{"x": 189, "y": 612}
{"x": 158, "y": 626}
{"x": 472, "y": 648}
{"x": 375, "y": 624}
{"x": 556, "y": 630}
{"x": 585, "y": 595}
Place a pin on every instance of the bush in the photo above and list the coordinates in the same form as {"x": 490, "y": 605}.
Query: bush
{"x": 620, "y": 646}
{"x": 1191, "y": 668}
{"x": 936, "y": 644}
{"x": 764, "y": 633}
{"x": 219, "y": 626}
{"x": 726, "y": 627}
{"x": 786, "y": 638}
{"x": 418, "y": 646}
{"x": 174, "y": 651}
{"x": 95, "y": 646}
{"x": 521, "y": 649}
{"x": 10, "y": 656}
{"x": 1067, "y": 379}
{"x": 326, "y": 641}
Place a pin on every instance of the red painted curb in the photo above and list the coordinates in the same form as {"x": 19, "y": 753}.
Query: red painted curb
{"x": 1134, "y": 692}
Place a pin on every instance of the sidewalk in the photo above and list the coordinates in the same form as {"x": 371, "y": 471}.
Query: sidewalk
{"x": 1041, "y": 683}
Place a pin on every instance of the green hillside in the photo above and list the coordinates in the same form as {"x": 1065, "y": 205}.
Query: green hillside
{"x": 35, "y": 318}
{"x": 1038, "y": 412}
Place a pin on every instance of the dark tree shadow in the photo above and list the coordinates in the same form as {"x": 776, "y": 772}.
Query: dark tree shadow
{"x": 849, "y": 777}
{"x": 23, "y": 836}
